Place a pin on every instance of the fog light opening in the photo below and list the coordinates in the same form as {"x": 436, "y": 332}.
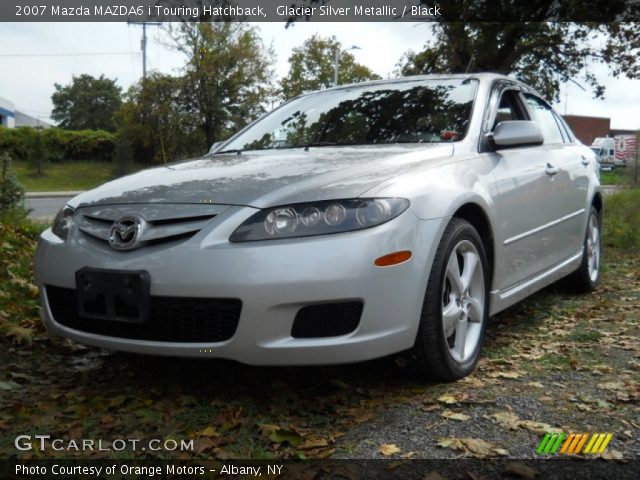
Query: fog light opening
{"x": 394, "y": 258}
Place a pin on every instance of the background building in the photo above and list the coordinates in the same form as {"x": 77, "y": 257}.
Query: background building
{"x": 10, "y": 117}
{"x": 588, "y": 128}
{"x": 7, "y": 113}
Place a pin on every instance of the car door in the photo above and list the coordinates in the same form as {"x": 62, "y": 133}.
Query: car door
{"x": 528, "y": 192}
{"x": 571, "y": 181}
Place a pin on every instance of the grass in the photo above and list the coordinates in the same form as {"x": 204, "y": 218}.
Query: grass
{"x": 613, "y": 177}
{"x": 622, "y": 219}
{"x": 68, "y": 176}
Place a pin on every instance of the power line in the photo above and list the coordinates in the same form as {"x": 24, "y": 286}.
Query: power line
{"x": 84, "y": 54}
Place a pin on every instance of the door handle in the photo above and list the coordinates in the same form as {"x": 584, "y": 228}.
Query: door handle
{"x": 550, "y": 170}
{"x": 585, "y": 161}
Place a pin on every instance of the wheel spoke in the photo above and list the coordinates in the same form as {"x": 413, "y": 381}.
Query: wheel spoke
{"x": 450, "y": 315}
{"x": 476, "y": 310}
{"x": 453, "y": 273}
{"x": 471, "y": 262}
{"x": 461, "y": 337}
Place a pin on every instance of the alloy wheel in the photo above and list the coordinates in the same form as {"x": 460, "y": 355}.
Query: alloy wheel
{"x": 463, "y": 301}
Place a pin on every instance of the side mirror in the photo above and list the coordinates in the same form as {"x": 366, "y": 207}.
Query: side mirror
{"x": 214, "y": 147}
{"x": 516, "y": 133}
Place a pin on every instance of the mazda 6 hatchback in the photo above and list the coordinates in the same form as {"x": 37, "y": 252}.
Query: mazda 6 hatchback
{"x": 347, "y": 224}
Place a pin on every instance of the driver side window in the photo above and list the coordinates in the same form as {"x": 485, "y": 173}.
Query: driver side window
{"x": 508, "y": 109}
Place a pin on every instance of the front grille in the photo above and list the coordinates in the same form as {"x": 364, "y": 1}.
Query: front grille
{"x": 327, "y": 320}
{"x": 164, "y": 223}
{"x": 172, "y": 319}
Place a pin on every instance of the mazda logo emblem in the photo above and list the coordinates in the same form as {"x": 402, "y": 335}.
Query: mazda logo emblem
{"x": 125, "y": 232}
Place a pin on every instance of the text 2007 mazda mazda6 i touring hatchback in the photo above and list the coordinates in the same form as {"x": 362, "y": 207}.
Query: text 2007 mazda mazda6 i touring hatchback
{"x": 346, "y": 225}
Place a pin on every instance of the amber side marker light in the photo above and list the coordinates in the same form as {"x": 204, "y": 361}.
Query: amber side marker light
{"x": 393, "y": 259}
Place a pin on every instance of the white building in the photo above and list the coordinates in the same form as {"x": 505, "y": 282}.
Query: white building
{"x": 7, "y": 113}
{"x": 10, "y": 117}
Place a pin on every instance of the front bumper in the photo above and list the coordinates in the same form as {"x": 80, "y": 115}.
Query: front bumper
{"x": 274, "y": 280}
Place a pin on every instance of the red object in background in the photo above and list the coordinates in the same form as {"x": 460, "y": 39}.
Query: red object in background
{"x": 448, "y": 134}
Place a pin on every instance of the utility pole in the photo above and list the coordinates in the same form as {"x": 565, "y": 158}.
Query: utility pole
{"x": 143, "y": 43}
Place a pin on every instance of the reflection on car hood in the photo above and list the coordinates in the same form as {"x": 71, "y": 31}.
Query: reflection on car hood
{"x": 267, "y": 178}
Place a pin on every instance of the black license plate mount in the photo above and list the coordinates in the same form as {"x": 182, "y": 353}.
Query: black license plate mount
{"x": 113, "y": 295}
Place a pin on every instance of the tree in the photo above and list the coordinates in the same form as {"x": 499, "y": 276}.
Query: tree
{"x": 227, "y": 77}
{"x": 311, "y": 67}
{"x": 542, "y": 54}
{"x": 37, "y": 155}
{"x": 87, "y": 103}
{"x": 155, "y": 126}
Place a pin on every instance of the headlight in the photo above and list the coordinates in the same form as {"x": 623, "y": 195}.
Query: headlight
{"x": 318, "y": 218}
{"x": 62, "y": 222}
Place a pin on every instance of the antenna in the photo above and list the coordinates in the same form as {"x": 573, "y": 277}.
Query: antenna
{"x": 143, "y": 43}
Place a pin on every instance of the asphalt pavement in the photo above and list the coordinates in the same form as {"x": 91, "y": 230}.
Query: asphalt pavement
{"x": 43, "y": 206}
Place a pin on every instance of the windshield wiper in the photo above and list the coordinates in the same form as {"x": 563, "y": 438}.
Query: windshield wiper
{"x": 233, "y": 150}
{"x": 319, "y": 144}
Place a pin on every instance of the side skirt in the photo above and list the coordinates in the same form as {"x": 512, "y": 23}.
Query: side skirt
{"x": 505, "y": 298}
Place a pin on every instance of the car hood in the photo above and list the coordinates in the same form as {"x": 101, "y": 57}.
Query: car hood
{"x": 267, "y": 178}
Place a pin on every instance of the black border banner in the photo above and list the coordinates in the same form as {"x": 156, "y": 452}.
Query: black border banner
{"x": 320, "y": 10}
{"x": 556, "y": 468}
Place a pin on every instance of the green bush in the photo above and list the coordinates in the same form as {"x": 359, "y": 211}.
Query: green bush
{"x": 622, "y": 219}
{"x": 61, "y": 145}
{"x": 11, "y": 192}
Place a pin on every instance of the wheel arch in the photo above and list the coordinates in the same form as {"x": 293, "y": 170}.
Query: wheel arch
{"x": 598, "y": 203}
{"x": 478, "y": 218}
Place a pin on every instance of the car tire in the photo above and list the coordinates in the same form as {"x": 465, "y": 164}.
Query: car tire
{"x": 586, "y": 278}
{"x": 456, "y": 305}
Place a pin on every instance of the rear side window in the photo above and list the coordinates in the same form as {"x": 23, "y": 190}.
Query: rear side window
{"x": 566, "y": 131}
{"x": 544, "y": 117}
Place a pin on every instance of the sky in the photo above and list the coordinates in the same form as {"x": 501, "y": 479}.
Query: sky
{"x": 28, "y": 80}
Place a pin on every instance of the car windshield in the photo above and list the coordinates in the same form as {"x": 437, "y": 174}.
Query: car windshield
{"x": 413, "y": 111}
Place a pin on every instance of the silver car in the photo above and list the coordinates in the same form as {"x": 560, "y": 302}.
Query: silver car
{"x": 346, "y": 225}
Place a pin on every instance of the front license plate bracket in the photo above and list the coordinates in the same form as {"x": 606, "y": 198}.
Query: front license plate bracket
{"x": 116, "y": 295}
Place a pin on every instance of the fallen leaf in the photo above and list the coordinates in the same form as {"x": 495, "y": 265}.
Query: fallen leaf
{"x": 448, "y": 399}
{"x": 509, "y": 374}
{"x": 286, "y": 436}
{"x": 454, "y": 416}
{"x": 313, "y": 442}
{"x": 267, "y": 429}
{"x": 388, "y": 449}
{"x": 511, "y": 421}
{"x": 20, "y": 334}
{"x": 610, "y": 454}
{"x": 9, "y": 385}
{"x": 209, "y": 432}
{"x": 477, "y": 447}
{"x": 364, "y": 417}
{"x": 106, "y": 419}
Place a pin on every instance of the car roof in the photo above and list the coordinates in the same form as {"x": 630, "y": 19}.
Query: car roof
{"x": 484, "y": 77}
{"x": 439, "y": 76}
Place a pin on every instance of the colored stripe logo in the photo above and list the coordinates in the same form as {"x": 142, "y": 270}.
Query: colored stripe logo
{"x": 574, "y": 443}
